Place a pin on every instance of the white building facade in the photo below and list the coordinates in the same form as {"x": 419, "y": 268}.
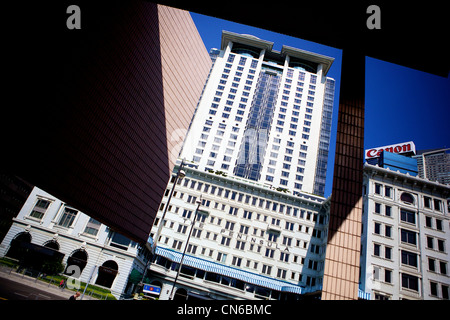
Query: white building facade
{"x": 102, "y": 256}
{"x": 405, "y": 236}
{"x": 264, "y": 115}
{"x": 256, "y": 155}
{"x": 249, "y": 241}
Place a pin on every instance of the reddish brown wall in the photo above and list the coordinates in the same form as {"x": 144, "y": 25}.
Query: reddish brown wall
{"x": 97, "y": 104}
{"x": 185, "y": 66}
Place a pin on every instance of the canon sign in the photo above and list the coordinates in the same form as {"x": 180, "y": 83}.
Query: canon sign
{"x": 405, "y": 147}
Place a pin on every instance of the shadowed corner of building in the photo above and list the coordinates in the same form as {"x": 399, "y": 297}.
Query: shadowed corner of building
{"x": 103, "y": 144}
{"x": 341, "y": 272}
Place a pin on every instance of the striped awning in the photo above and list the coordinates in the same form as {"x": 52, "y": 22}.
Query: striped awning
{"x": 231, "y": 272}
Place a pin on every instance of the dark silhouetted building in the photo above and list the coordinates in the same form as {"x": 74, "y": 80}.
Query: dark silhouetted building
{"x": 103, "y": 108}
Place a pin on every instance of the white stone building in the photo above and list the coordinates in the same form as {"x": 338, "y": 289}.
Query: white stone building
{"x": 249, "y": 241}
{"x": 405, "y": 237}
{"x": 103, "y": 256}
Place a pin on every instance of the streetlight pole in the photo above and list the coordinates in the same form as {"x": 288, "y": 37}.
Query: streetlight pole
{"x": 180, "y": 175}
{"x": 198, "y": 202}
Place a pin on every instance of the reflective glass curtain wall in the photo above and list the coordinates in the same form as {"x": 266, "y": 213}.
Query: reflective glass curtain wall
{"x": 256, "y": 134}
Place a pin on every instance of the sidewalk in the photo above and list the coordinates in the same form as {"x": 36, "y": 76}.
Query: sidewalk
{"x": 42, "y": 285}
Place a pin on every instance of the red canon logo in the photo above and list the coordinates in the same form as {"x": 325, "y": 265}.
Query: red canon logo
{"x": 372, "y": 153}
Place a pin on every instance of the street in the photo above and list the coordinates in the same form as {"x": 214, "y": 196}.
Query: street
{"x": 12, "y": 290}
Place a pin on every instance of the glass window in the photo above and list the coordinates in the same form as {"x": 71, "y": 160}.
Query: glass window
{"x": 408, "y": 236}
{"x": 427, "y": 202}
{"x": 120, "y": 241}
{"x": 92, "y": 227}
{"x": 39, "y": 209}
{"x": 377, "y": 228}
{"x": 387, "y": 211}
{"x": 388, "y": 192}
{"x": 67, "y": 217}
{"x": 437, "y": 205}
{"x": 376, "y": 249}
{"x": 407, "y": 197}
{"x": 410, "y": 282}
{"x": 377, "y": 208}
{"x": 378, "y": 188}
{"x": 388, "y": 276}
{"x": 407, "y": 216}
{"x": 409, "y": 258}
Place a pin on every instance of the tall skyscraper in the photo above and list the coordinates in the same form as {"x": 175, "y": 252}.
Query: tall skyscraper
{"x": 434, "y": 164}
{"x": 243, "y": 223}
{"x": 264, "y": 115}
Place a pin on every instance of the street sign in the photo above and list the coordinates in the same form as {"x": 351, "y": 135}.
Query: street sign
{"x": 151, "y": 289}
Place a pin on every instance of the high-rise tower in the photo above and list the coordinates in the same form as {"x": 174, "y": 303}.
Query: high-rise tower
{"x": 264, "y": 115}
{"x": 238, "y": 219}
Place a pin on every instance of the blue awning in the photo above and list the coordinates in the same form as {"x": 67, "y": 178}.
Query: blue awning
{"x": 231, "y": 272}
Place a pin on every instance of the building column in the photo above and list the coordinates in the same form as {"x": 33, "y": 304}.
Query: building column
{"x": 341, "y": 274}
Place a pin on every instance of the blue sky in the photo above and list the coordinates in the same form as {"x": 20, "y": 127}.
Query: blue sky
{"x": 401, "y": 104}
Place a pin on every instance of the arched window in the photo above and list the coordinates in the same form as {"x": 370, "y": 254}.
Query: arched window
{"x": 52, "y": 244}
{"x": 107, "y": 272}
{"x": 16, "y": 249}
{"x": 78, "y": 258}
{"x": 407, "y": 198}
{"x": 180, "y": 294}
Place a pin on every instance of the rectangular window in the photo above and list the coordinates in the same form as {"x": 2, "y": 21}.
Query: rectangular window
{"x": 266, "y": 269}
{"x": 407, "y": 216}
{"x": 233, "y": 211}
{"x": 225, "y": 241}
{"x": 443, "y": 267}
{"x": 431, "y": 264}
{"x": 378, "y": 188}
{"x": 221, "y": 257}
{"x": 387, "y": 211}
{"x": 409, "y": 258}
{"x": 388, "y": 192}
{"x": 229, "y": 225}
{"x": 377, "y": 228}
{"x": 236, "y": 261}
{"x": 269, "y": 253}
{"x": 376, "y": 249}
{"x": 388, "y": 276}
{"x": 445, "y": 294}
{"x": 441, "y": 245}
{"x": 387, "y": 231}
{"x": 67, "y": 217}
{"x": 427, "y": 202}
{"x": 281, "y": 273}
{"x": 408, "y": 236}
{"x": 247, "y": 214}
{"x": 437, "y": 205}
{"x": 410, "y": 282}
{"x": 120, "y": 241}
{"x": 240, "y": 245}
{"x": 92, "y": 227}
{"x": 377, "y": 208}
{"x": 387, "y": 252}
{"x": 39, "y": 209}
{"x": 430, "y": 243}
